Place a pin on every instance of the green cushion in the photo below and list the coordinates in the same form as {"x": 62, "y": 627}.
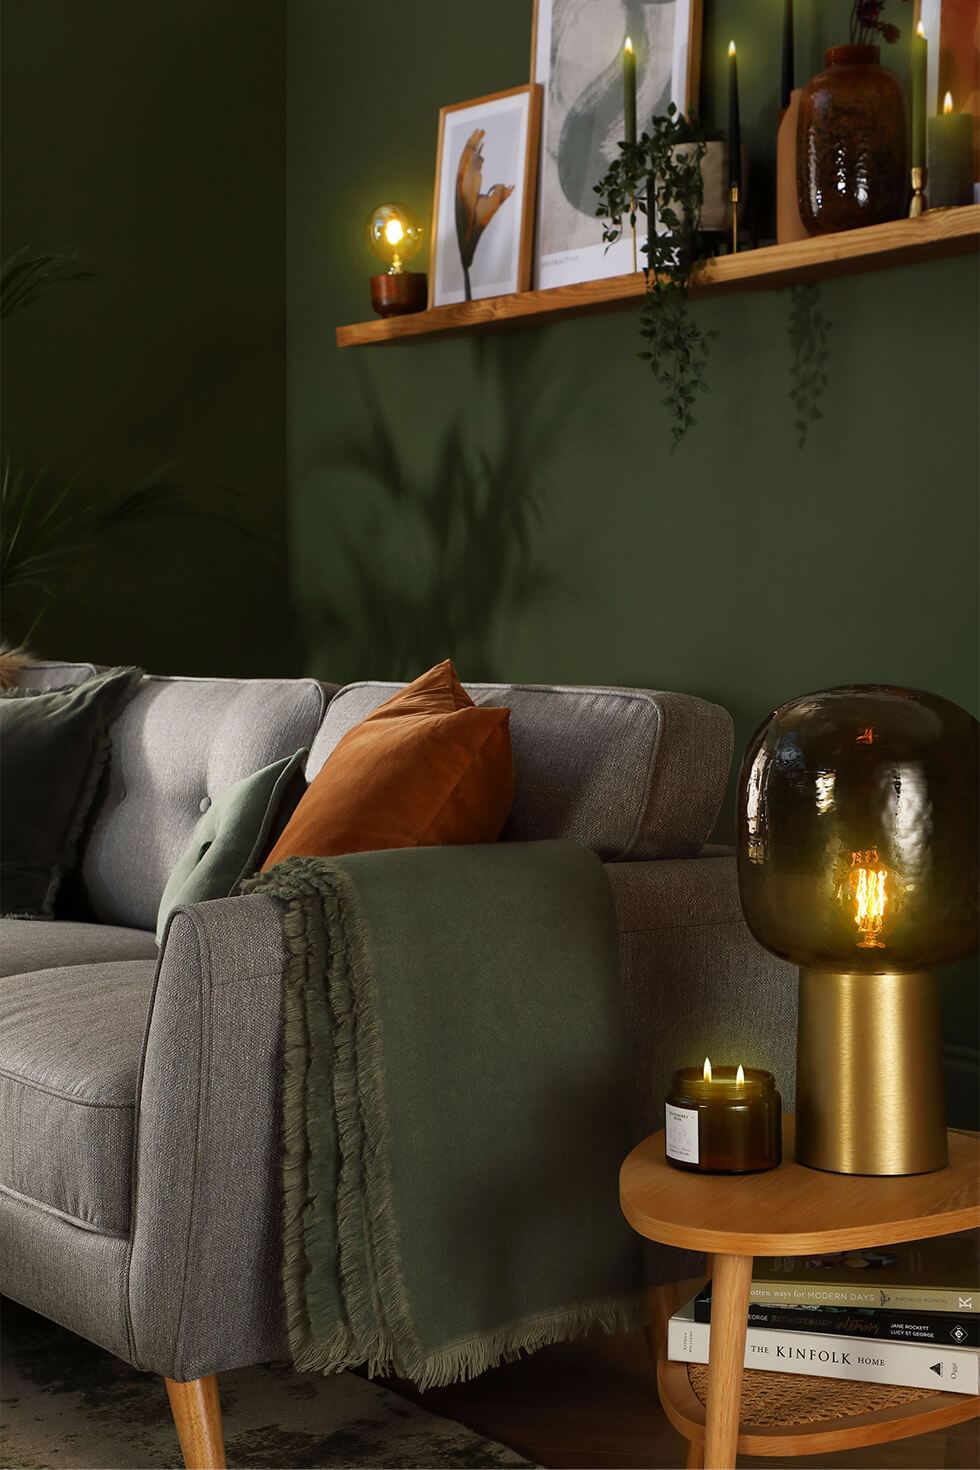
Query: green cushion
{"x": 54, "y": 746}
{"x": 231, "y": 838}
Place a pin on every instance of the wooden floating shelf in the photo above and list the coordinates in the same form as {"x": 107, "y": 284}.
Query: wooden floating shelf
{"x": 934, "y": 234}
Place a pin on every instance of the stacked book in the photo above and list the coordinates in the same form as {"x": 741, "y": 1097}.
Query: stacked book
{"x": 903, "y": 1314}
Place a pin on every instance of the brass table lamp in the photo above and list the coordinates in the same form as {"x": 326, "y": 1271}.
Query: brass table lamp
{"x": 857, "y": 861}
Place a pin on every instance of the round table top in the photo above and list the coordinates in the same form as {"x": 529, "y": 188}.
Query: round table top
{"x": 794, "y": 1210}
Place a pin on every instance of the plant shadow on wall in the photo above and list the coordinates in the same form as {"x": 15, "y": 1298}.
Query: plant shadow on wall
{"x": 446, "y": 555}
{"x": 50, "y": 526}
{"x": 809, "y": 333}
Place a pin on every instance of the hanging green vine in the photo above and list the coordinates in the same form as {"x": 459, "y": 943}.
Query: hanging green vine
{"x": 660, "y": 177}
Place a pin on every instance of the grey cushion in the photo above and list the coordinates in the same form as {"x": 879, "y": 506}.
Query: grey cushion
{"x": 54, "y": 747}
{"x": 75, "y": 1277}
{"x": 632, "y": 773}
{"x": 51, "y": 675}
{"x": 69, "y": 1055}
{"x": 43, "y": 944}
{"x": 178, "y": 743}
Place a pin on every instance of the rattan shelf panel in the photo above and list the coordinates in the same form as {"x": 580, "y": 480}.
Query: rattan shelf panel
{"x": 782, "y": 1400}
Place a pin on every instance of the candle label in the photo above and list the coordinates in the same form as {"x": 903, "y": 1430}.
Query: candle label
{"x": 682, "y": 1134}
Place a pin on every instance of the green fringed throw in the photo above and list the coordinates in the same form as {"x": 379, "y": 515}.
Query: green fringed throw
{"x": 453, "y": 1107}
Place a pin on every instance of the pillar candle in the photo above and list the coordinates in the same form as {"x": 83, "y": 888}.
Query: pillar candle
{"x": 920, "y": 62}
{"x": 949, "y": 154}
{"x": 629, "y": 92}
{"x": 734, "y": 127}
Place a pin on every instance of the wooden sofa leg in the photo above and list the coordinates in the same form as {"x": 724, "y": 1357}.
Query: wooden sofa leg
{"x": 197, "y": 1416}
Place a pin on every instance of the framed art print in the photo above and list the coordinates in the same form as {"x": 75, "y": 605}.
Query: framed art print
{"x": 483, "y": 210}
{"x": 577, "y": 57}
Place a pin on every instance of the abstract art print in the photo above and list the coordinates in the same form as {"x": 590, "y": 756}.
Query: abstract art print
{"x": 577, "y": 56}
{"x": 483, "y": 214}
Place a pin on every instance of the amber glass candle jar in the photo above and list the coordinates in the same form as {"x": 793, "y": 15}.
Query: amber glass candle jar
{"x": 724, "y": 1120}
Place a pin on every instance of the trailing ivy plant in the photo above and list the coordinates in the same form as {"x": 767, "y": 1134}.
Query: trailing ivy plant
{"x": 660, "y": 178}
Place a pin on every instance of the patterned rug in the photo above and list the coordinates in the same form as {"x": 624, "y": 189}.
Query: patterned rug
{"x": 70, "y": 1406}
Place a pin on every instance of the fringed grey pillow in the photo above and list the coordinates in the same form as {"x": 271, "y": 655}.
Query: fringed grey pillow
{"x": 54, "y": 746}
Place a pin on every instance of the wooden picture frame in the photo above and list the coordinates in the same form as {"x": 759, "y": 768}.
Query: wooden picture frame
{"x": 491, "y": 135}
{"x": 568, "y": 239}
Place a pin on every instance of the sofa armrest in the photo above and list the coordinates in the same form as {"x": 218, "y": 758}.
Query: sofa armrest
{"x": 695, "y": 983}
{"x": 204, "y": 1284}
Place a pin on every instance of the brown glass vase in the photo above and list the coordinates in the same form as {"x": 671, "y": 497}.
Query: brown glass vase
{"x": 852, "y": 144}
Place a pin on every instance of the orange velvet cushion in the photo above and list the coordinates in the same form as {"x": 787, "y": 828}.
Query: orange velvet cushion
{"x": 427, "y": 768}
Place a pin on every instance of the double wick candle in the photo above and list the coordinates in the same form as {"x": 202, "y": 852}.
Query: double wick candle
{"x": 723, "y": 1120}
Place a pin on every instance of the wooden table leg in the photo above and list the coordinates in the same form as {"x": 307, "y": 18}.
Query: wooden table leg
{"x": 729, "y": 1319}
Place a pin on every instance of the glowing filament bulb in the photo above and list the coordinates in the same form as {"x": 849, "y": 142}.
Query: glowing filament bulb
{"x": 706, "y": 1073}
{"x": 948, "y": 104}
{"x": 394, "y": 232}
{"x": 868, "y": 887}
{"x": 740, "y": 1074}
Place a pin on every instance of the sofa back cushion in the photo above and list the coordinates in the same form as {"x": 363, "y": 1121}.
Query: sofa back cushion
{"x": 176, "y": 745}
{"x": 631, "y": 773}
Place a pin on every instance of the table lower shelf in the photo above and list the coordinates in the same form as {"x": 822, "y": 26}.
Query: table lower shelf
{"x": 787, "y": 1413}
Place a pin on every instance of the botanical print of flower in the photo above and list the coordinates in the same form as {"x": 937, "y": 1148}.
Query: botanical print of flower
{"x": 474, "y": 210}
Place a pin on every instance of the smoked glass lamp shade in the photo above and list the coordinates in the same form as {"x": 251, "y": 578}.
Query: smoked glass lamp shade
{"x": 858, "y": 834}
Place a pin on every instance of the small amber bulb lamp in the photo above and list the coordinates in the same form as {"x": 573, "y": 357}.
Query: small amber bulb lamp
{"x": 395, "y": 237}
{"x": 723, "y": 1120}
{"x": 857, "y": 861}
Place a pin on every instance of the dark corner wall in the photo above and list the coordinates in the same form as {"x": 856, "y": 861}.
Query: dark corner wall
{"x": 152, "y": 137}
{"x": 514, "y": 500}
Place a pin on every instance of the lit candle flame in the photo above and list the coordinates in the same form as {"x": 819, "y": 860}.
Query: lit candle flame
{"x": 740, "y": 1074}
{"x": 868, "y": 886}
{"x": 731, "y": 48}
{"x": 920, "y": 30}
{"x": 629, "y": 46}
{"x": 948, "y": 103}
{"x": 707, "y": 1069}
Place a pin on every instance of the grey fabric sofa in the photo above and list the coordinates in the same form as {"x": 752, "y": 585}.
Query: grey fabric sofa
{"x": 139, "y": 1159}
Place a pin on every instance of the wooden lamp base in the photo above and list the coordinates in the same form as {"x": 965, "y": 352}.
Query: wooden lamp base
{"x": 399, "y": 295}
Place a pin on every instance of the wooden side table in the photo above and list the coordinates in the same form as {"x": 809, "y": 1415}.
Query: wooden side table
{"x": 790, "y": 1211}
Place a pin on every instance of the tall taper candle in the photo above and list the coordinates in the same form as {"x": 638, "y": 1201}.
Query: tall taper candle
{"x": 629, "y": 92}
{"x": 920, "y": 63}
{"x": 734, "y": 128}
{"x": 786, "y": 88}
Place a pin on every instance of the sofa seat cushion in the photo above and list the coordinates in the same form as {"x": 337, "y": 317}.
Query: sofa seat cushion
{"x": 47, "y": 944}
{"x": 70, "y": 1043}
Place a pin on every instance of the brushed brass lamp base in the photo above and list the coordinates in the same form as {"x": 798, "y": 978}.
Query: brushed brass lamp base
{"x": 870, "y": 1097}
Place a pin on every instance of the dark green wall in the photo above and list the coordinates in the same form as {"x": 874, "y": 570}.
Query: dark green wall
{"x": 740, "y": 567}
{"x": 152, "y": 137}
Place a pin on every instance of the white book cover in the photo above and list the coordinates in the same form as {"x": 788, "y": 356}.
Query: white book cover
{"x": 908, "y": 1364}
